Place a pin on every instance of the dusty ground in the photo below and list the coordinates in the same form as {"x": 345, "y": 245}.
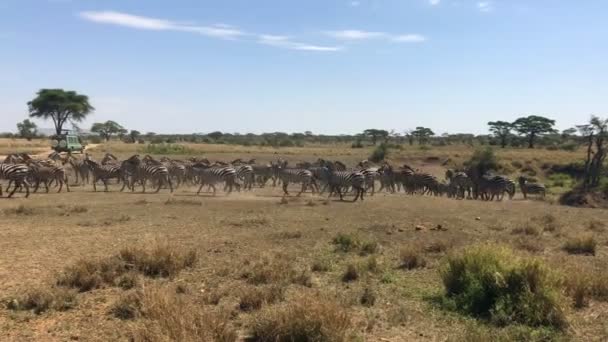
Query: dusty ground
{"x": 229, "y": 231}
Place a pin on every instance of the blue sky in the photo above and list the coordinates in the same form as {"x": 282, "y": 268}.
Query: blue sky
{"x": 320, "y": 65}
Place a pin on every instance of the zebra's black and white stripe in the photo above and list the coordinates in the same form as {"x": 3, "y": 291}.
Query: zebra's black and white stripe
{"x": 338, "y": 180}
{"x": 212, "y": 175}
{"x": 531, "y": 188}
{"x": 103, "y": 173}
{"x": 40, "y": 172}
{"x": 298, "y": 176}
{"x": 17, "y": 174}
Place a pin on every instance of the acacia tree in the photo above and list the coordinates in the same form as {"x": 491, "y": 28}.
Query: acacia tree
{"x": 27, "y": 129}
{"x": 60, "y": 106}
{"x": 422, "y": 134}
{"x": 501, "y": 130}
{"x": 532, "y": 127}
{"x": 375, "y": 134}
{"x": 134, "y": 135}
{"x": 107, "y": 129}
{"x": 596, "y": 135}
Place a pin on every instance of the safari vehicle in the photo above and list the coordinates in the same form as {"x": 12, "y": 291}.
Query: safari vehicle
{"x": 68, "y": 141}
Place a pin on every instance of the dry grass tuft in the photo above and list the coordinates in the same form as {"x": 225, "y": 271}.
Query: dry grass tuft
{"x": 597, "y": 226}
{"x": 368, "y": 298}
{"x": 128, "y": 306}
{"x": 437, "y": 247}
{"x": 183, "y": 202}
{"x": 346, "y": 242}
{"x": 170, "y": 317}
{"x": 303, "y": 319}
{"x": 21, "y": 209}
{"x": 160, "y": 260}
{"x": 351, "y": 273}
{"x": 549, "y": 223}
{"x": 527, "y": 229}
{"x": 411, "y": 258}
{"x": 277, "y": 270}
{"x": 581, "y": 245}
{"x": 586, "y": 284}
{"x": 253, "y": 298}
{"x": 530, "y": 245}
{"x": 289, "y": 235}
{"x": 321, "y": 265}
{"x": 40, "y": 300}
{"x": 369, "y": 247}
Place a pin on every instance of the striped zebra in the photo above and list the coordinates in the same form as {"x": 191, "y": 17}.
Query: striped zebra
{"x": 425, "y": 183}
{"x": 80, "y": 168}
{"x": 531, "y": 188}
{"x": 40, "y": 172}
{"x": 246, "y": 174}
{"x": 490, "y": 187}
{"x": 103, "y": 172}
{"x": 460, "y": 182}
{"x": 212, "y": 175}
{"x": 151, "y": 170}
{"x": 298, "y": 176}
{"x": 17, "y": 174}
{"x": 337, "y": 180}
{"x": 263, "y": 173}
{"x": 371, "y": 174}
{"x": 388, "y": 178}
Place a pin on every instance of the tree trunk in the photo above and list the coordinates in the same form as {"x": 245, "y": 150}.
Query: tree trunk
{"x": 503, "y": 142}
{"x": 531, "y": 140}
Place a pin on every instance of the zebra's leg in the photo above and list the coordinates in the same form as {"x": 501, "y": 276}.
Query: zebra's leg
{"x": 160, "y": 183}
{"x": 60, "y": 181}
{"x": 285, "y": 183}
{"x": 200, "y": 188}
{"x": 304, "y": 187}
{"x": 339, "y": 189}
{"x": 15, "y": 189}
{"x": 170, "y": 185}
{"x": 35, "y": 188}
{"x": 212, "y": 186}
{"x": 94, "y": 183}
{"x": 105, "y": 184}
{"x": 67, "y": 184}
{"x": 230, "y": 188}
{"x": 46, "y": 185}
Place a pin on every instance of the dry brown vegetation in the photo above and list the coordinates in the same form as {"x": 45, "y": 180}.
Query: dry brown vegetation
{"x": 230, "y": 268}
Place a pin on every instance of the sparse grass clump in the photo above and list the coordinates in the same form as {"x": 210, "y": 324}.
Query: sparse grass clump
{"x": 39, "y": 300}
{"x": 252, "y": 298}
{"x": 276, "y": 270}
{"x": 368, "y": 298}
{"x": 369, "y": 247}
{"x": 21, "y": 209}
{"x": 581, "y": 245}
{"x": 321, "y": 265}
{"x": 161, "y": 260}
{"x": 302, "y": 319}
{"x": 128, "y": 306}
{"x": 411, "y": 258}
{"x": 491, "y": 282}
{"x": 437, "y": 247}
{"x": 597, "y": 226}
{"x": 527, "y": 229}
{"x": 351, "y": 273}
{"x": 168, "y": 316}
{"x": 584, "y": 284}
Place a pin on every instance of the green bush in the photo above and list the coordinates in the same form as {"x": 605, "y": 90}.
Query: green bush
{"x": 346, "y": 242}
{"x": 357, "y": 144}
{"x": 483, "y": 160}
{"x": 164, "y": 148}
{"x": 561, "y": 180}
{"x": 380, "y": 153}
{"x": 491, "y": 282}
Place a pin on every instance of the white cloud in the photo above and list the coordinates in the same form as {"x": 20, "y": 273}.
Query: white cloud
{"x": 485, "y": 6}
{"x": 354, "y": 35}
{"x": 434, "y": 2}
{"x": 355, "y": 3}
{"x": 409, "y": 38}
{"x": 222, "y": 31}
{"x": 287, "y": 43}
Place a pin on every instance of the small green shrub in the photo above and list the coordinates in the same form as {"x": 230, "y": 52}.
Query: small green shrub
{"x": 351, "y": 273}
{"x": 380, "y": 153}
{"x": 166, "y": 149}
{"x": 489, "y": 281}
{"x": 346, "y": 242}
{"x": 411, "y": 257}
{"x": 369, "y": 247}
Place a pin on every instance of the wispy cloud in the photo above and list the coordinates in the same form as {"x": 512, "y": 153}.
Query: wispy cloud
{"x": 145, "y": 23}
{"x": 355, "y": 3}
{"x": 287, "y": 43}
{"x": 222, "y": 31}
{"x": 434, "y": 2}
{"x": 358, "y": 35}
{"x": 485, "y": 6}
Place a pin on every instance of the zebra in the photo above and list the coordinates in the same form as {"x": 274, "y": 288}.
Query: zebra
{"x": 16, "y": 173}
{"x": 426, "y": 183}
{"x": 177, "y": 170}
{"x": 81, "y": 169}
{"x": 211, "y": 175}
{"x": 263, "y": 173}
{"x": 45, "y": 173}
{"x": 460, "y": 182}
{"x": 149, "y": 169}
{"x": 246, "y": 174}
{"x": 337, "y": 180}
{"x": 531, "y": 188}
{"x": 301, "y": 176}
{"x": 490, "y": 187}
{"x": 371, "y": 174}
{"x": 103, "y": 172}
{"x": 387, "y": 178}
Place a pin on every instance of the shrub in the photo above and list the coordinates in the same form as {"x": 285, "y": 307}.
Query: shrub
{"x": 302, "y": 319}
{"x": 321, "y": 265}
{"x": 437, "y": 247}
{"x": 128, "y": 306}
{"x": 346, "y": 242}
{"x": 582, "y": 284}
{"x": 561, "y": 180}
{"x": 581, "y": 245}
{"x": 380, "y": 153}
{"x": 491, "y": 282}
{"x": 277, "y": 270}
{"x": 483, "y": 160}
{"x": 351, "y": 273}
{"x": 527, "y": 229}
{"x": 357, "y": 144}
{"x": 369, "y": 247}
{"x": 368, "y": 298}
{"x": 411, "y": 258}
{"x": 40, "y": 300}
{"x": 161, "y": 260}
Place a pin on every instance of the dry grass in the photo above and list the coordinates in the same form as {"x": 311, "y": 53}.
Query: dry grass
{"x": 351, "y": 273}
{"x": 167, "y": 316}
{"x": 585, "y": 284}
{"x": 276, "y": 270}
{"x": 39, "y": 300}
{"x": 305, "y": 318}
{"x": 581, "y": 245}
{"x": 527, "y": 229}
{"x": 21, "y": 209}
{"x": 252, "y": 298}
{"x": 411, "y": 257}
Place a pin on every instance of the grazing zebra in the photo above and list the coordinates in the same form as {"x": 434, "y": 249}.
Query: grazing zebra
{"x": 531, "y": 188}
{"x": 102, "y": 172}
{"x": 300, "y": 176}
{"x": 81, "y": 169}
{"x": 337, "y": 180}
{"x": 371, "y": 174}
{"x": 460, "y": 182}
{"x": 17, "y": 174}
{"x": 45, "y": 173}
{"x": 212, "y": 175}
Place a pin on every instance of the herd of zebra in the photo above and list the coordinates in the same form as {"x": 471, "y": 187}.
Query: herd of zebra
{"x": 22, "y": 171}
